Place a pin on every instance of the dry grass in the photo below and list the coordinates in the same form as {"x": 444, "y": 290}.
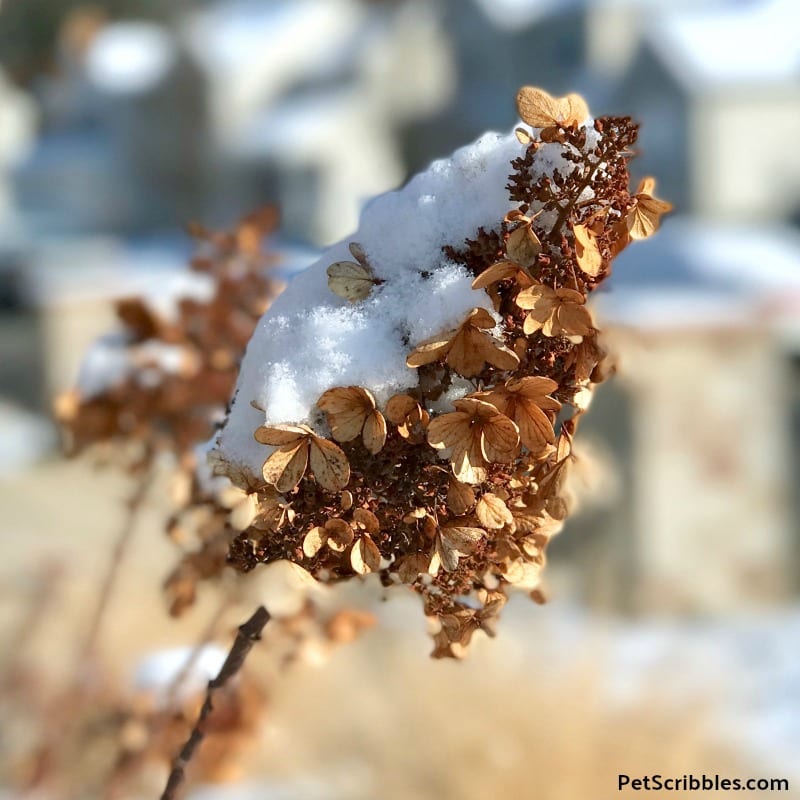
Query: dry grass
{"x": 378, "y": 720}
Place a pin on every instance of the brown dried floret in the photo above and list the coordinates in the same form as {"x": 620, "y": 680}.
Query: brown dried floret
{"x": 352, "y": 412}
{"x": 556, "y": 312}
{"x": 467, "y": 349}
{"x": 541, "y": 110}
{"x": 644, "y": 218}
{"x": 526, "y": 401}
{"x": 409, "y": 416}
{"x": 352, "y": 280}
{"x": 297, "y": 447}
{"x": 476, "y": 434}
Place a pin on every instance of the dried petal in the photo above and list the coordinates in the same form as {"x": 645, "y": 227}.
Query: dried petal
{"x": 644, "y": 218}
{"x": 347, "y": 408}
{"x": 539, "y": 109}
{"x": 314, "y": 541}
{"x": 281, "y": 435}
{"x": 500, "y": 440}
{"x": 455, "y": 541}
{"x": 450, "y": 430}
{"x": 365, "y": 519}
{"x": 492, "y": 512}
{"x": 329, "y": 464}
{"x": 523, "y": 246}
{"x": 365, "y": 556}
{"x": 467, "y": 349}
{"x": 400, "y": 407}
{"x": 428, "y": 352}
{"x": 340, "y": 535}
{"x": 460, "y": 497}
{"x": 587, "y": 251}
{"x": 286, "y": 466}
{"x": 374, "y": 435}
{"x": 523, "y": 137}
{"x": 350, "y": 280}
{"x": 501, "y": 271}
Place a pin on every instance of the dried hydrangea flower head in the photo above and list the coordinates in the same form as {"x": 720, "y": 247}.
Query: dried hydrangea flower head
{"x": 418, "y": 411}
{"x": 162, "y": 382}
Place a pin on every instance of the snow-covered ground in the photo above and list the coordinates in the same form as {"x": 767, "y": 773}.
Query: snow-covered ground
{"x": 745, "y": 671}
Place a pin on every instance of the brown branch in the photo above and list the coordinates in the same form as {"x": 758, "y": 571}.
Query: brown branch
{"x": 249, "y": 633}
{"x": 121, "y": 547}
{"x": 40, "y": 603}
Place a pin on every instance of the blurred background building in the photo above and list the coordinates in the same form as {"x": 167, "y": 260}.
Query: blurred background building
{"x": 121, "y": 120}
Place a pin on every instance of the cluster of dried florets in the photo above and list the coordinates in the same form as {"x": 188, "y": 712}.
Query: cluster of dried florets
{"x": 376, "y": 497}
{"x": 171, "y": 405}
{"x": 177, "y": 372}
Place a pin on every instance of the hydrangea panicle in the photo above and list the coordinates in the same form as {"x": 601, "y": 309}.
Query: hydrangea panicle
{"x": 454, "y": 484}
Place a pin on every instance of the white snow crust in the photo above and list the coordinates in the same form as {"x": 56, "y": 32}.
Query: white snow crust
{"x": 112, "y": 359}
{"x": 156, "y": 672}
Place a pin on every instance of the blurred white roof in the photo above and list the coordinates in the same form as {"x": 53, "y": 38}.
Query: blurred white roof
{"x": 254, "y": 52}
{"x": 695, "y": 273}
{"x": 517, "y": 14}
{"x": 303, "y": 35}
{"x": 102, "y": 268}
{"x": 740, "y": 42}
{"x": 130, "y": 57}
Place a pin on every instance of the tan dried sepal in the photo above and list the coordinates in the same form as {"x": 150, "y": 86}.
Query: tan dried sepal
{"x": 501, "y": 271}
{"x": 526, "y": 401}
{"x": 339, "y": 534}
{"x": 374, "y": 433}
{"x": 314, "y": 541}
{"x": 286, "y": 466}
{"x": 365, "y": 556}
{"x": 587, "y": 251}
{"x": 559, "y": 312}
{"x": 346, "y": 408}
{"x": 329, "y": 464}
{"x": 453, "y": 542}
{"x": 460, "y": 497}
{"x": 492, "y": 512}
{"x": 364, "y": 519}
{"x": 468, "y": 349}
{"x": 540, "y": 110}
{"x": 408, "y": 415}
{"x": 523, "y": 245}
{"x": 476, "y": 433}
{"x": 644, "y": 218}
{"x": 350, "y": 280}
{"x": 298, "y": 447}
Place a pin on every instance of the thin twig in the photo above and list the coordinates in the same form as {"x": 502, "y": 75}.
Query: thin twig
{"x": 121, "y": 547}
{"x": 249, "y": 633}
{"x": 37, "y": 612}
{"x": 115, "y": 784}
